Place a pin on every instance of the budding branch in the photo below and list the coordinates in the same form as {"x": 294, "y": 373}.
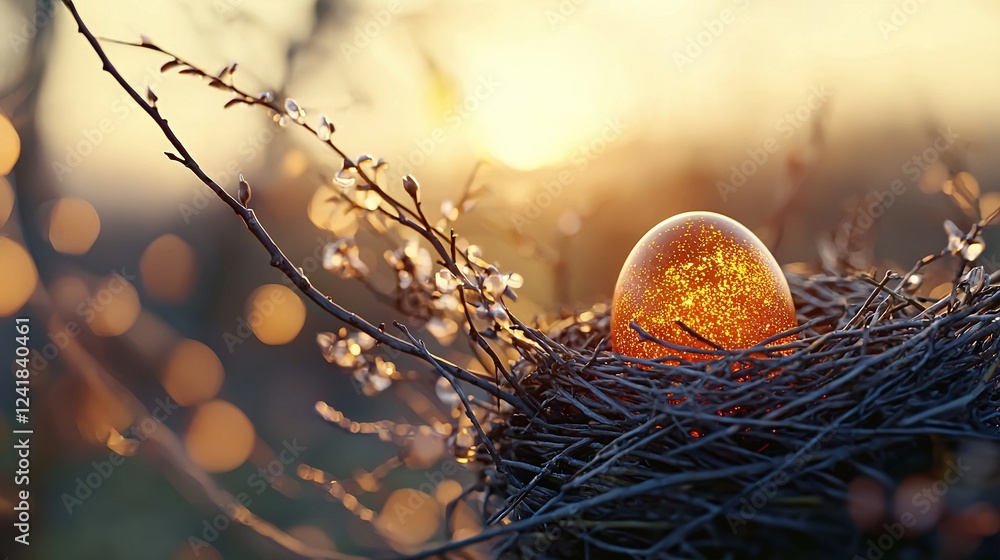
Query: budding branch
{"x": 278, "y": 258}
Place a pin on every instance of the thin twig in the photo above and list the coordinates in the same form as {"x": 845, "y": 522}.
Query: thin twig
{"x": 278, "y": 258}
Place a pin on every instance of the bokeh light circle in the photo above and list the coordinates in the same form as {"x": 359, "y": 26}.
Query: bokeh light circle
{"x": 73, "y": 226}
{"x": 168, "y": 268}
{"x": 18, "y": 276}
{"x": 275, "y": 314}
{"x": 220, "y": 437}
{"x": 193, "y": 373}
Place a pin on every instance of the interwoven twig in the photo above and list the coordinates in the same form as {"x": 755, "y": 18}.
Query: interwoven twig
{"x": 682, "y": 445}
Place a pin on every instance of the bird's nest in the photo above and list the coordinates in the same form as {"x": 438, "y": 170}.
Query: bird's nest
{"x": 748, "y": 453}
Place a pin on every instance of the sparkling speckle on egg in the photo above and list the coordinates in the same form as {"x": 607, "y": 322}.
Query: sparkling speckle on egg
{"x": 708, "y": 272}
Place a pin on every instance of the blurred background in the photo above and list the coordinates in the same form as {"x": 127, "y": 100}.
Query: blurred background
{"x": 577, "y": 124}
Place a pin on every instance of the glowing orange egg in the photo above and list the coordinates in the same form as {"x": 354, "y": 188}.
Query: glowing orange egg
{"x": 708, "y": 272}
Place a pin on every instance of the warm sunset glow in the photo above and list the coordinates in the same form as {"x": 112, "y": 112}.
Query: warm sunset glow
{"x": 168, "y": 268}
{"x": 707, "y": 271}
{"x": 469, "y": 177}
{"x": 543, "y": 103}
{"x": 193, "y": 373}
{"x": 73, "y": 226}
{"x": 220, "y": 437}
{"x": 275, "y": 313}
{"x": 537, "y": 115}
{"x": 17, "y": 276}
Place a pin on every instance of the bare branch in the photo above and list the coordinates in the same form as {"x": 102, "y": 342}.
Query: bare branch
{"x": 278, "y": 258}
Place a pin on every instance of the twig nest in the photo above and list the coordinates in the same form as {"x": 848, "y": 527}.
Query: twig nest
{"x": 628, "y": 457}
